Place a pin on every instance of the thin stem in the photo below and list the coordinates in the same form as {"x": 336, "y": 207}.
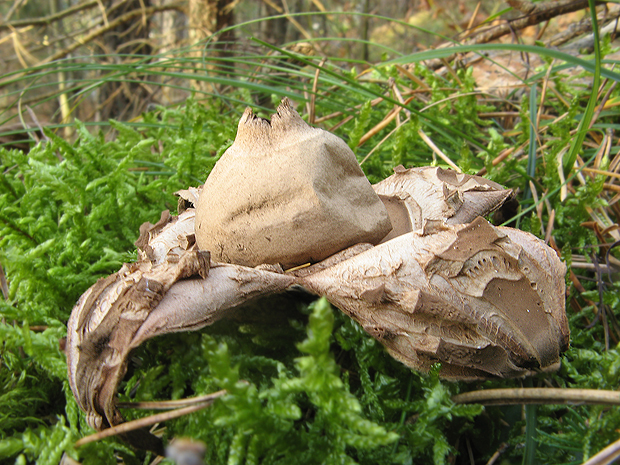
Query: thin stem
{"x": 538, "y": 396}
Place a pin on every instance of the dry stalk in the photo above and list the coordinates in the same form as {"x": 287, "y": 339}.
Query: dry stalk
{"x": 606, "y": 456}
{"x": 539, "y": 396}
{"x": 125, "y": 429}
{"x": 437, "y": 151}
{"x": 384, "y": 123}
{"x": 171, "y": 404}
{"x": 536, "y": 14}
{"x": 315, "y": 87}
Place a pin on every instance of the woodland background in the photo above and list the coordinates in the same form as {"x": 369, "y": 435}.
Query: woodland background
{"x": 108, "y": 107}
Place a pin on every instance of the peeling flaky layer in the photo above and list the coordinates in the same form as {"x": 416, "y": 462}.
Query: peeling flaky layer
{"x": 102, "y": 327}
{"x": 467, "y": 296}
{"x": 432, "y": 193}
{"x": 286, "y": 193}
{"x": 168, "y": 239}
{"x": 145, "y": 299}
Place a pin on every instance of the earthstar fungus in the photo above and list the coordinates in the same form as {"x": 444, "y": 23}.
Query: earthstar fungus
{"x": 410, "y": 258}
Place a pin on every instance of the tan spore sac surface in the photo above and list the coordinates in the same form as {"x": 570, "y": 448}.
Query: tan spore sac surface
{"x": 286, "y": 193}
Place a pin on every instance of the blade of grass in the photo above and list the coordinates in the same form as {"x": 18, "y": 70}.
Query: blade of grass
{"x": 522, "y": 48}
{"x": 531, "y": 156}
{"x": 529, "y": 457}
{"x": 584, "y": 124}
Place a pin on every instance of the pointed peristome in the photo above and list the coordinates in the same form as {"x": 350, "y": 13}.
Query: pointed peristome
{"x": 286, "y": 193}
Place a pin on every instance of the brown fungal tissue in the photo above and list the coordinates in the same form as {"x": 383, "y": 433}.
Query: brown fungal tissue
{"x": 411, "y": 259}
{"x": 286, "y": 193}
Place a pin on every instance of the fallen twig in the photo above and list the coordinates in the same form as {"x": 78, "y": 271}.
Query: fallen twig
{"x": 143, "y": 422}
{"x": 102, "y": 30}
{"x": 46, "y": 20}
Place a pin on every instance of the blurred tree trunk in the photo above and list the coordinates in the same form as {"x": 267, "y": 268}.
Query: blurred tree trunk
{"x": 365, "y": 30}
{"x": 120, "y": 100}
{"x": 277, "y": 31}
{"x": 274, "y": 30}
{"x": 206, "y": 17}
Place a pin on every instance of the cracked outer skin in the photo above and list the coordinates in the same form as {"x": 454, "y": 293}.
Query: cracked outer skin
{"x": 482, "y": 300}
